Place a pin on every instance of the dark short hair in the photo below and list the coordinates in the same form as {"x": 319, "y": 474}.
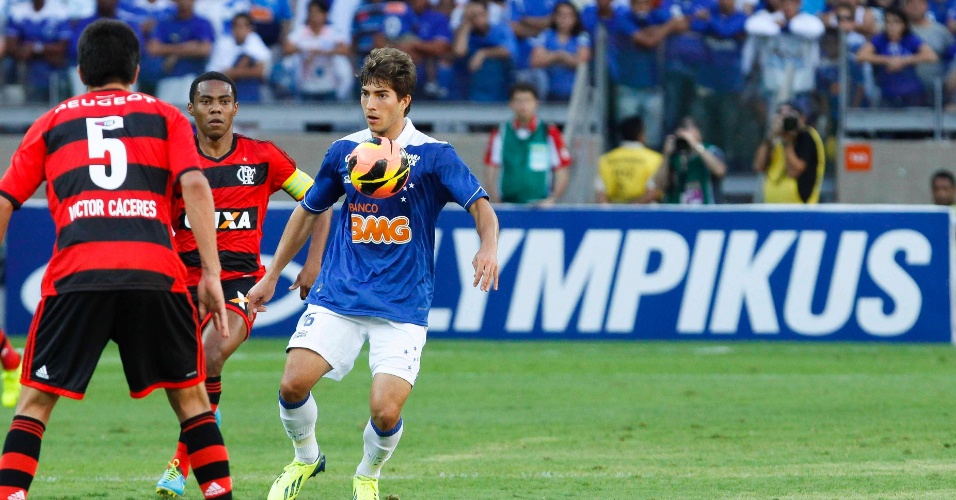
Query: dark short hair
{"x": 211, "y": 76}
{"x": 898, "y": 12}
{"x": 578, "y": 27}
{"x": 108, "y": 52}
{"x": 632, "y": 128}
{"x": 800, "y": 106}
{"x": 522, "y": 87}
{"x": 242, "y": 15}
{"x": 391, "y": 67}
{"x": 943, "y": 174}
{"x": 687, "y": 122}
{"x": 318, "y": 3}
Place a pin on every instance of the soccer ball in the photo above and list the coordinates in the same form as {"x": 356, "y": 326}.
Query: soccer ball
{"x": 378, "y": 168}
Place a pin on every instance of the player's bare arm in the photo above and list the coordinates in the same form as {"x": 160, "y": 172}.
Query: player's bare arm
{"x": 313, "y": 261}
{"x": 294, "y": 236}
{"x": 199, "y": 210}
{"x": 486, "y": 260}
{"x": 6, "y": 211}
{"x": 296, "y": 186}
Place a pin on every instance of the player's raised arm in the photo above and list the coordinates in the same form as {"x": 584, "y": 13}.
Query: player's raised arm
{"x": 294, "y": 236}
{"x": 486, "y": 260}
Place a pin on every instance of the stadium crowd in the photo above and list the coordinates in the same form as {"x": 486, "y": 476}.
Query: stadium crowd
{"x": 665, "y": 57}
{"x": 728, "y": 64}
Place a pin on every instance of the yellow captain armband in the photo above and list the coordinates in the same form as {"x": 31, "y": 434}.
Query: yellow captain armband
{"x": 297, "y": 184}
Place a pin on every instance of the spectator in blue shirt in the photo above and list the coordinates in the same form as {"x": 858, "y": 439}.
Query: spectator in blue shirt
{"x": 560, "y": 49}
{"x": 529, "y": 18}
{"x": 894, "y": 53}
{"x": 270, "y": 18}
{"x": 600, "y": 12}
{"x": 107, "y": 9}
{"x": 430, "y": 48}
{"x": 720, "y": 80}
{"x": 638, "y": 32}
{"x": 398, "y": 25}
{"x": 940, "y": 9}
{"x": 683, "y": 52}
{"x": 185, "y": 43}
{"x": 145, "y": 14}
{"x": 861, "y": 84}
{"x": 864, "y": 19}
{"x": 485, "y": 53}
{"x": 38, "y": 35}
{"x": 368, "y": 27}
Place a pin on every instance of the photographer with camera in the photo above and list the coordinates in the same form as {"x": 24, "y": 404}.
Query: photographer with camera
{"x": 792, "y": 156}
{"x": 690, "y": 167}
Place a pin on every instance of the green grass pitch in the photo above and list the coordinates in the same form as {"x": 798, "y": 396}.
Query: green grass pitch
{"x": 549, "y": 420}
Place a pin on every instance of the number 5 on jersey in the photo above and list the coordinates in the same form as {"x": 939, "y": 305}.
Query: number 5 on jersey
{"x": 99, "y": 146}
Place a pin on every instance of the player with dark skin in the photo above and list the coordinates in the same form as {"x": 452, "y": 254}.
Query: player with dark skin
{"x": 213, "y": 109}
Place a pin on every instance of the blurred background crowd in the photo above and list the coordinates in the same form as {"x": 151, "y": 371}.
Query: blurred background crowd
{"x": 722, "y": 68}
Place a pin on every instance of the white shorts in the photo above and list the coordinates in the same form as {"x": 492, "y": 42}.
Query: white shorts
{"x": 394, "y": 348}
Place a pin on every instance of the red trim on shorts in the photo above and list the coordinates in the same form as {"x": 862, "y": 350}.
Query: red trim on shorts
{"x": 49, "y": 388}
{"x": 169, "y": 385}
{"x": 28, "y": 360}
{"x": 200, "y": 363}
{"x": 237, "y": 310}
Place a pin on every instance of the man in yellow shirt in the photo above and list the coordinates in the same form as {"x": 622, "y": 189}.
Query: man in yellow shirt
{"x": 624, "y": 171}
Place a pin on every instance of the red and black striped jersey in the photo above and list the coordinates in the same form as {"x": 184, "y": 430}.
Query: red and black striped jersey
{"x": 242, "y": 182}
{"x": 110, "y": 159}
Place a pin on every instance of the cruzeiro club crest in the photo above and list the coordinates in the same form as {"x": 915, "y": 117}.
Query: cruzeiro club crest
{"x": 246, "y": 175}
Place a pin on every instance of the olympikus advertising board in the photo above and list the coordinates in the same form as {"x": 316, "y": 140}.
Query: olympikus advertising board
{"x": 835, "y": 273}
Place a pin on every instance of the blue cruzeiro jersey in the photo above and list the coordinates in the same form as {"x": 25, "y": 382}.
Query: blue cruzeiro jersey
{"x": 380, "y": 258}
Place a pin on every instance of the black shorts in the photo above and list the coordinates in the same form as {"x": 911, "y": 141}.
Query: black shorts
{"x": 157, "y": 333}
{"x": 235, "y": 292}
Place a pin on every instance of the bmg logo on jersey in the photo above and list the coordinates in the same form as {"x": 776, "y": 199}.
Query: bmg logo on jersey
{"x": 380, "y": 230}
{"x": 229, "y": 219}
{"x": 246, "y": 175}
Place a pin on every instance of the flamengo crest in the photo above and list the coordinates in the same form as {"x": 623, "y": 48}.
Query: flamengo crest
{"x": 246, "y": 175}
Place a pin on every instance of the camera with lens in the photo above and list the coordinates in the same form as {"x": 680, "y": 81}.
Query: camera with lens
{"x": 682, "y": 146}
{"x": 790, "y": 123}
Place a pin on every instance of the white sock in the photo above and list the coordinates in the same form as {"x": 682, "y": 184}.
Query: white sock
{"x": 299, "y": 418}
{"x": 379, "y": 445}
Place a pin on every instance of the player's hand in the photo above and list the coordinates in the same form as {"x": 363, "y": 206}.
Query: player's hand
{"x": 211, "y": 301}
{"x": 486, "y": 267}
{"x": 305, "y": 280}
{"x": 260, "y": 293}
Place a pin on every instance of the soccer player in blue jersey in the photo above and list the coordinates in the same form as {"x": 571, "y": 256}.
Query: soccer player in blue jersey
{"x": 376, "y": 287}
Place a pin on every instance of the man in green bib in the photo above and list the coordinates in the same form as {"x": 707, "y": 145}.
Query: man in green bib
{"x": 690, "y": 166}
{"x": 527, "y": 160}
